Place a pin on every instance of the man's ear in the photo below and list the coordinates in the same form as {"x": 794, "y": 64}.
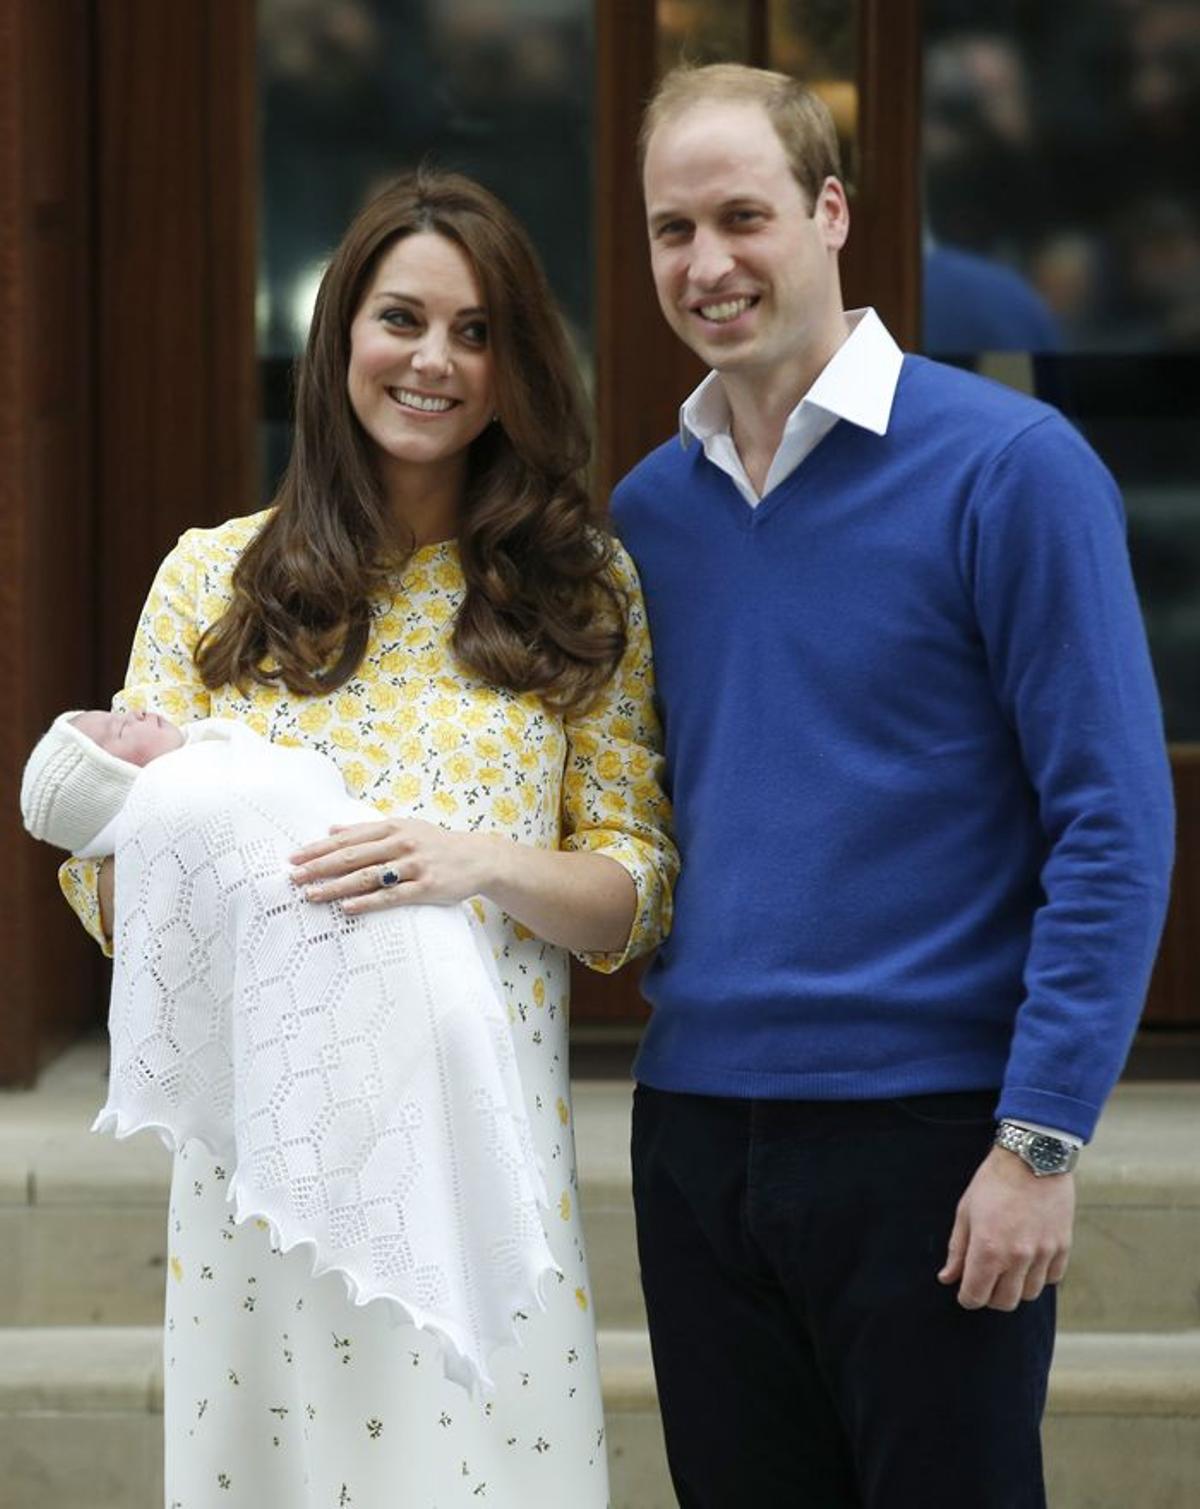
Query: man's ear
{"x": 832, "y": 213}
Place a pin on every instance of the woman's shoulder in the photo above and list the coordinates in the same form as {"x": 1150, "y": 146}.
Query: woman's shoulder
{"x": 222, "y": 542}
{"x": 625, "y": 589}
{"x": 196, "y": 574}
{"x": 621, "y": 570}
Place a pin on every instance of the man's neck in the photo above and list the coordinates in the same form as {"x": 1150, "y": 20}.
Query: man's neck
{"x": 762, "y": 400}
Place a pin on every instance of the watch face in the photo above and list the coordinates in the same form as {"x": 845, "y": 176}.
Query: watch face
{"x": 1046, "y": 1153}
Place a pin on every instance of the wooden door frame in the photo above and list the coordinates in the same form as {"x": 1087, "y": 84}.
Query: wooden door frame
{"x": 128, "y": 389}
{"x": 176, "y": 263}
{"x": 47, "y": 430}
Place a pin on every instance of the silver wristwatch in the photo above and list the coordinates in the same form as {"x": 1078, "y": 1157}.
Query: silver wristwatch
{"x": 1038, "y": 1150}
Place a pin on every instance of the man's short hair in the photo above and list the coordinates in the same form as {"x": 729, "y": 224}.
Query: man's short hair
{"x": 801, "y": 118}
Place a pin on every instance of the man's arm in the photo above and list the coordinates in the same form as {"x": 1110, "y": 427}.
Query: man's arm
{"x": 1062, "y": 630}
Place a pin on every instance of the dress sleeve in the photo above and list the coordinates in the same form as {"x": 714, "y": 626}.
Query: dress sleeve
{"x": 613, "y": 798}
{"x": 162, "y": 677}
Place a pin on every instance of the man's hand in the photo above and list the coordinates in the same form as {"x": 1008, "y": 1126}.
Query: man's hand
{"x": 1012, "y": 1234}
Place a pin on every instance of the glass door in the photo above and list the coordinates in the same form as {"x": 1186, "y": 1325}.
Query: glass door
{"x": 1061, "y": 254}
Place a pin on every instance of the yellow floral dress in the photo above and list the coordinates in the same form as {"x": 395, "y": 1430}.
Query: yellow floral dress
{"x": 278, "y": 1391}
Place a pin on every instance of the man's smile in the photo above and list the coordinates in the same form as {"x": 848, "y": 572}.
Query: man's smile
{"x": 721, "y": 312}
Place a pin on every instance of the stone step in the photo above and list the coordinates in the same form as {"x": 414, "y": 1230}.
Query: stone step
{"x": 81, "y": 1420}
{"x": 82, "y": 1225}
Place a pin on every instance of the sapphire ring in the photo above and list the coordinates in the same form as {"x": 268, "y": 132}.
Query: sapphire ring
{"x": 389, "y": 875}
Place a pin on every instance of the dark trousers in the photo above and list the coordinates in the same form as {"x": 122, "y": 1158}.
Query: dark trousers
{"x": 804, "y": 1351}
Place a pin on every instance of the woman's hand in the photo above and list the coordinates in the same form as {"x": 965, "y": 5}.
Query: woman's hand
{"x": 369, "y": 866}
{"x": 106, "y": 893}
{"x": 584, "y": 902}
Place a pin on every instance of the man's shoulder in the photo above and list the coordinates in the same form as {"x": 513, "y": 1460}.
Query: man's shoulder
{"x": 931, "y": 389}
{"x": 666, "y": 465}
{"x": 1014, "y": 449}
{"x": 948, "y": 412}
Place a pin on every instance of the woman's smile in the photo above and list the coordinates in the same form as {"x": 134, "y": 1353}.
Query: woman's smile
{"x": 422, "y": 403}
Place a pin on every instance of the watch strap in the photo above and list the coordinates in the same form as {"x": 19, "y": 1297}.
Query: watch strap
{"x": 1039, "y": 1151}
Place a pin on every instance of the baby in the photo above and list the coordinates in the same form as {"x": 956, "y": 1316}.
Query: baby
{"x": 323, "y": 1055}
{"x": 136, "y": 738}
{"x": 81, "y": 770}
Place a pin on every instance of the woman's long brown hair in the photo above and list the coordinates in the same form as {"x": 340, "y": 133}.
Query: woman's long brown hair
{"x": 542, "y": 612}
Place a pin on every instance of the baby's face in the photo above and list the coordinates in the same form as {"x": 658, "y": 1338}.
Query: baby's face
{"x": 136, "y": 737}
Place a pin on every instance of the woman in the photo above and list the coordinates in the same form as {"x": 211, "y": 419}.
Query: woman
{"x": 430, "y": 603}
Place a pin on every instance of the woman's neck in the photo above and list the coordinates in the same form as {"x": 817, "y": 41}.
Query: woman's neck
{"x": 425, "y": 500}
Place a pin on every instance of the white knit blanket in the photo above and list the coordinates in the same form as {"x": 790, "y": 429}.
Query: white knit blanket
{"x": 356, "y": 1074}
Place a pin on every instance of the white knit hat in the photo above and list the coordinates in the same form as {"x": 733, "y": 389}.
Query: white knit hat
{"x": 72, "y": 788}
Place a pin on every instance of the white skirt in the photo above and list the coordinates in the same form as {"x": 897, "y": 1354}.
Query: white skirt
{"x": 280, "y": 1393}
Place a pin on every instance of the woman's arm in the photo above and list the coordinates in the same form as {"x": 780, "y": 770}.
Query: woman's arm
{"x": 614, "y": 802}
{"x": 583, "y": 902}
{"x": 605, "y": 894}
{"x": 104, "y": 891}
{"x": 162, "y": 676}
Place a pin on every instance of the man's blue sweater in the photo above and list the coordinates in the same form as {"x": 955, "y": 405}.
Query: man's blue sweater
{"x": 917, "y": 761}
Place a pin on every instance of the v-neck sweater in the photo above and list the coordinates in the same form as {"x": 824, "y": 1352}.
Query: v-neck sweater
{"x": 916, "y": 757}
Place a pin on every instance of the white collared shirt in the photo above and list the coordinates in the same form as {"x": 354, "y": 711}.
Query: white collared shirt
{"x": 858, "y": 383}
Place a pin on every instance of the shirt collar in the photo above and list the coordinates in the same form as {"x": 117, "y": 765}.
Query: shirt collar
{"x": 858, "y": 383}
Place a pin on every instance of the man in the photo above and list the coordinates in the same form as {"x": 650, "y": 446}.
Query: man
{"x": 918, "y": 771}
